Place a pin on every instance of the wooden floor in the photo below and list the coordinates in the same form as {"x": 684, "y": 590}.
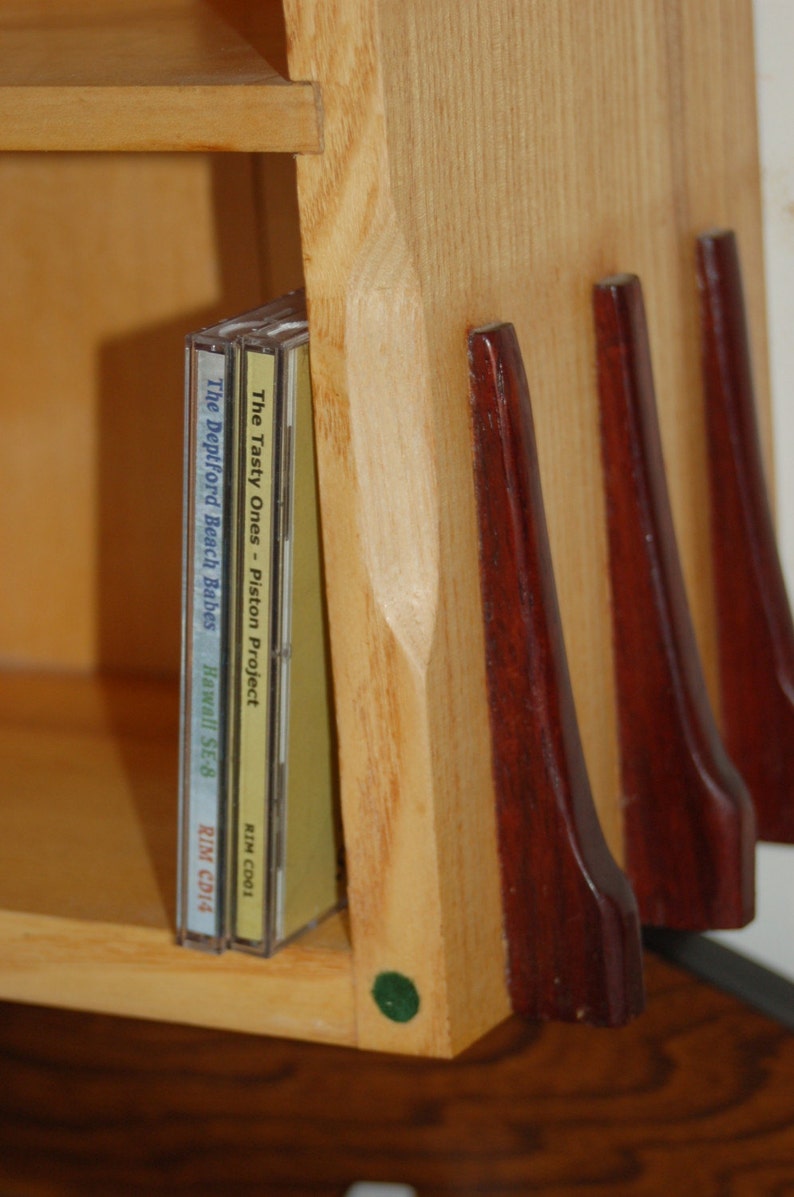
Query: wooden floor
{"x": 695, "y": 1097}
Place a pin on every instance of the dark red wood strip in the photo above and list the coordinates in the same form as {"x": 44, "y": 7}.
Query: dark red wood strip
{"x": 689, "y": 825}
{"x": 570, "y": 917}
{"x": 755, "y": 633}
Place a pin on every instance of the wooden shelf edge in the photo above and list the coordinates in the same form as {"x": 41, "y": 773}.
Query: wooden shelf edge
{"x": 276, "y": 117}
{"x": 305, "y": 992}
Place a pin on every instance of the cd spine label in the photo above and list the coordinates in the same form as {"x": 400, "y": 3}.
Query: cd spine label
{"x": 253, "y": 698}
{"x": 203, "y": 767}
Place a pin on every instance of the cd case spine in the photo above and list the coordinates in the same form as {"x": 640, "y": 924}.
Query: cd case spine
{"x": 288, "y": 842}
{"x": 202, "y": 790}
{"x": 211, "y": 436}
{"x": 259, "y": 831}
{"x": 251, "y": 699}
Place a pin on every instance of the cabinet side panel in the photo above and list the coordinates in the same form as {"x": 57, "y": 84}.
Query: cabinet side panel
{"x": 486, "y": 161}
{"x": 578, "y": 140}
{"x": 401, "y": 563}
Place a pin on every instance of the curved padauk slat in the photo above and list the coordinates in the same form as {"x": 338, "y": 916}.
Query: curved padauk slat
{"x": 689, "y": 824}
{"x": 755, "y": 633}
{"x": 570, "y": 917}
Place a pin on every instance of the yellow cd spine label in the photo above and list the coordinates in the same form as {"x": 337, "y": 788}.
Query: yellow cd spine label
{"x": 253, "y": 692}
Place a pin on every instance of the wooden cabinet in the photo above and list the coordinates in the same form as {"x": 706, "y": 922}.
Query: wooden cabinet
{"x": 458, "y": 163}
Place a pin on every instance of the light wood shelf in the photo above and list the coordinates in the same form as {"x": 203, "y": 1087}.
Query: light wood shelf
{"x": 87, "y": 865}
{"x": 146, "y": 75}
{"x": 306, "y": 992}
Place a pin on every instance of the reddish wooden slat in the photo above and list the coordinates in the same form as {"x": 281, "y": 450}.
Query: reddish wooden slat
{"x": 570, "y": 917}
{"x": 755, "y": 632}
{"x": 689, "y": 824}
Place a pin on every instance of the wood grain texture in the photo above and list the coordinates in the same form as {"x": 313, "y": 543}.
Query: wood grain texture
{"x": 304, "y": 992}
{"x": 697, "y": 1096}
{"x": 716, "y": 171}
{"x": 588, "y": 119}
{"x": 87, "y": 872}
{"x": 690, "y": 829}
{"x": 152, "y": 75}
{"x": 551, "y": 155}
{"x": 574, "y": 955}
{"x": 111, "y": 259}
{"x": 394, "y": 462}
{"x": 755, "y": 630}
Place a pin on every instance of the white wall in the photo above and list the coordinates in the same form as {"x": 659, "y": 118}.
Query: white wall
{"x": 770, "y": 939}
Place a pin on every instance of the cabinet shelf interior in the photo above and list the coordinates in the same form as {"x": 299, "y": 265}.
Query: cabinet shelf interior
{"x": 110, "y": 260}
{"x": 89, "y": 767}
{"x": 150, "y": 75}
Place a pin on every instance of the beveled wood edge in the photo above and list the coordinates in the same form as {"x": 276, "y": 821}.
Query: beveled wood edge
{"x": 303, "y": 992}
{"x": 277, "y": 117}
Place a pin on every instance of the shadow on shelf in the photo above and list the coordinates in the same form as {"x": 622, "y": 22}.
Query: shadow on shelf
{"x": 139, "y": 485}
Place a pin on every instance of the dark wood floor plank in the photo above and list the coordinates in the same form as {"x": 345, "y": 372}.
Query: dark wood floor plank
{"x": 695, "y": 1096}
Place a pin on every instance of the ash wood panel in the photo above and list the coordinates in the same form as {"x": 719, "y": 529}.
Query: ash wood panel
{"x": 108, "y": 261}
{"x": 755, "y": 630}
{"x": 556, "y": 152}
{"x": 87, "y": 873}
{"x": 304, "y": 992}
{"x": 575, "y": 956}
{"x": 408, "y": 666}
{"x": 157, "y": 75}
{"x": 690, "y": 824}
{"x": 695, "y": 1097}
{"x": 89, "y": 769}
{"x": 716, "y": 172}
